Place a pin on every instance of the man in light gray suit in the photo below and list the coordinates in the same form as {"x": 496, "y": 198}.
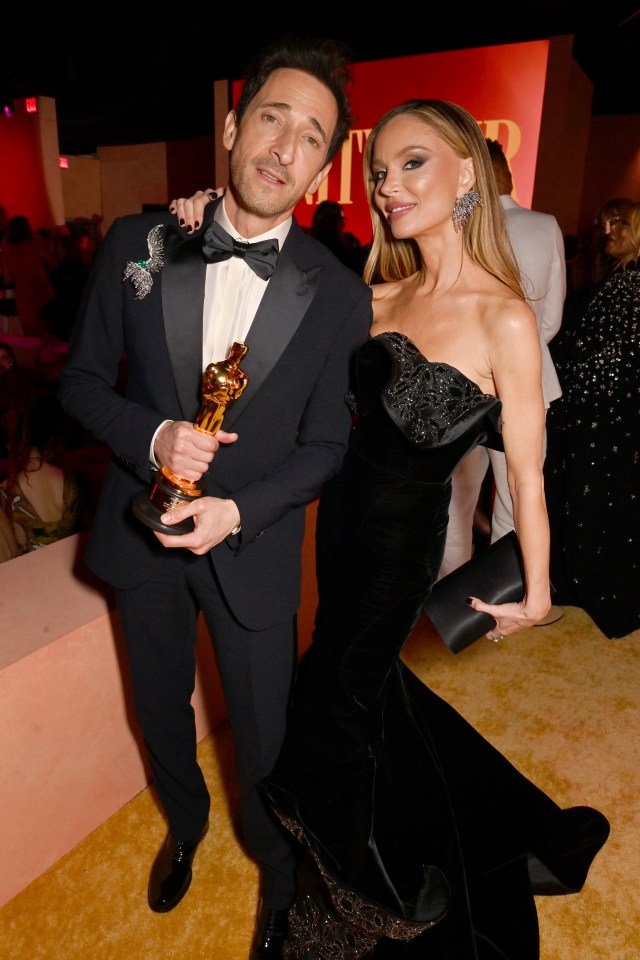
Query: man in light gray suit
{"x": 538, "y": 246}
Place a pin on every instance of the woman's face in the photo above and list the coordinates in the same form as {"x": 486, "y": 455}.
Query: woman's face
{"x": 417, "y": 177}
{"x": 617, "y": 239}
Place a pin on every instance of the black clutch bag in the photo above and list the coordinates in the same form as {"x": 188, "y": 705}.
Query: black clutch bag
{"x": 495, "y": 574}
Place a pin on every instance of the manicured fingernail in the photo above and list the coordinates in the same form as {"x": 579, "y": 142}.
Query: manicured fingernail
{"x": 181, "y": 222}
{"x": 197, "y": 224}
{"x": 189, "y": 229}
{"x": 469, "y": 600}
{"x": 212, "y": 196}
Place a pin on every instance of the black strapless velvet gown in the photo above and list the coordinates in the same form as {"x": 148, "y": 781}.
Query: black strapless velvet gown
{"x": 420, "y": 839}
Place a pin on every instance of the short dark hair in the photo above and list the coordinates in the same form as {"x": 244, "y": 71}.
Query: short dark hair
{"x": 504, "y": 177}
{"x": 494, "y": 147}
{"x": 329, "y": 61}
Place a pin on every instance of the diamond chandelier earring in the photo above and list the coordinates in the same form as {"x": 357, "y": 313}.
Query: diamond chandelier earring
{"x": 463, "y": 208}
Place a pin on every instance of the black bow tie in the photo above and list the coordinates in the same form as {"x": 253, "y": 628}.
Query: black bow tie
{"x": 262, "y": 256}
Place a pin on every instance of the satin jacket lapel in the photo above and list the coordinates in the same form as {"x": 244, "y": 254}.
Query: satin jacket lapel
{"x": 283, "y": 306}
{"x": 183, "y": 278}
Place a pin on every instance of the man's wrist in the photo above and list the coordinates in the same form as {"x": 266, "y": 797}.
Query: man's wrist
{"x": 238, "y": 526}
{"x": 153, "y": 460}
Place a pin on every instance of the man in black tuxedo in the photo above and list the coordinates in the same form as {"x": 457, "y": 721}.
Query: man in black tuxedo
{"x": 171, "y": 304}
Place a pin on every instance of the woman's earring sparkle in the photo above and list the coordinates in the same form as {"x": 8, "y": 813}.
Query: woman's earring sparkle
{"x": 463, "y": 208}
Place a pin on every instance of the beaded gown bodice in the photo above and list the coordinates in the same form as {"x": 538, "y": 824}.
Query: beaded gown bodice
{"x": 416, "y": 417}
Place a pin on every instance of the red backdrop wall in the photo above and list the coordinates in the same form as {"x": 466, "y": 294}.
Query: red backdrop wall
{"x": 501, "y": 86}
{"x": 21, "y": 167}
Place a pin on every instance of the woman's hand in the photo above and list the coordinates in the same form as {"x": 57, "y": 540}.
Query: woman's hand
{"x": 190, "y": 210}
{"x": 510, "y": 617}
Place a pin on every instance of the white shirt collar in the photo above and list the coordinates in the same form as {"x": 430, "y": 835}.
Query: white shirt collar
{"x": 279, "y": 233}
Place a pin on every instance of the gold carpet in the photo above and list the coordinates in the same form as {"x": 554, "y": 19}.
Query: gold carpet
{"x": 561, "y": 702}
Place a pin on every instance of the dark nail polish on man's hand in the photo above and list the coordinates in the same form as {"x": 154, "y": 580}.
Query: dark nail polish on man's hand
{"x": 197, "y": 224}
{"x": 181, "y": 222}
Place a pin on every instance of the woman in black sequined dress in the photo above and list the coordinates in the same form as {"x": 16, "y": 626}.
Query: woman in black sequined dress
{"x": 420, "y": 839}
{"x": 593, "y": 471}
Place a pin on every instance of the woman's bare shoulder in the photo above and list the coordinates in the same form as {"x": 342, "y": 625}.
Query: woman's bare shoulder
{"x": 504, "y": 310}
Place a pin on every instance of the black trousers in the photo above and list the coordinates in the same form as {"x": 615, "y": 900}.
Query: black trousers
{"x": 256, "y": 668}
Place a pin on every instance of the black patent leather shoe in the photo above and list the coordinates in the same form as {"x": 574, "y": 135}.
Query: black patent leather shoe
{"x": 269, "y": 937}
{"x": 171, "y": 872}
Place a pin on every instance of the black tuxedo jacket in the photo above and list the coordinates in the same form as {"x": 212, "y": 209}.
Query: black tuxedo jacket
{"x": 292, "y": 419}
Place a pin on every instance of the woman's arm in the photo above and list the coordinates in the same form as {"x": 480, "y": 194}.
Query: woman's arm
{"x": 515, "y": 358}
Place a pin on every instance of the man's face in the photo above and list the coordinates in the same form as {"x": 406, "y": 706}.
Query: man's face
{"x": 278, "y": 150}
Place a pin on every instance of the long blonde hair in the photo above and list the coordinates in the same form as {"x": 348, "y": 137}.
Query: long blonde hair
{"x": 484, "y": 235}
{"x": 629, "y": 212}
{"x": 634, "y": 230}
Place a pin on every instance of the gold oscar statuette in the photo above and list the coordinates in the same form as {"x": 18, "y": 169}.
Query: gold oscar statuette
{"x": 222, "y": 384}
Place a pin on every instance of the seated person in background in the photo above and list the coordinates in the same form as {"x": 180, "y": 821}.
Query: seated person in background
{"x": 8, "y": 545}
{"x": 43, "y": 501}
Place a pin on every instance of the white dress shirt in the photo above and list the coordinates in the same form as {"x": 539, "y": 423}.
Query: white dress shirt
{"x": 232, "y": 294}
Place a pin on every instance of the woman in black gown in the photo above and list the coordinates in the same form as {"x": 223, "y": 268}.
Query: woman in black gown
{"x": 593, "y": 469}
{"x": 417, "y": 837}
